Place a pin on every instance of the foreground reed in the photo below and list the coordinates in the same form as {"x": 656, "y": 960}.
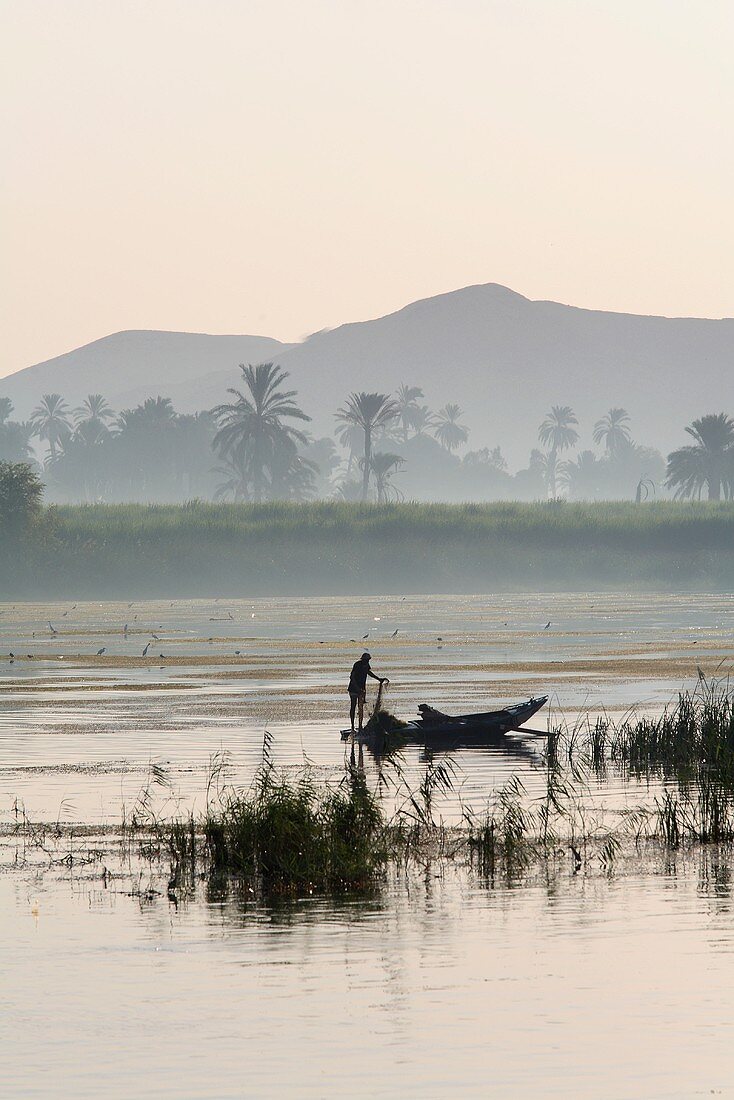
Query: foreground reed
{"x": 294, "y": 835}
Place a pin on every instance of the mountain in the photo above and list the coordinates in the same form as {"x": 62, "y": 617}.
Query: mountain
{"x": 192, "y": 368}
{"x": 504, "y": 358}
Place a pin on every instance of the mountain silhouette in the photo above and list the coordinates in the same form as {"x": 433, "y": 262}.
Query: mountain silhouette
{"x": 503, "y": 357}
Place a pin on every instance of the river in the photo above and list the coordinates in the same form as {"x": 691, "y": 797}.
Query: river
{"x": 604, "y": 982}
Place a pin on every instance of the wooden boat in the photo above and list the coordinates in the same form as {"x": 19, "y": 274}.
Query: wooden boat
{"x": 433, "y": 725}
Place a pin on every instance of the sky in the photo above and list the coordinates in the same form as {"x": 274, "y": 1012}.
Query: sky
{"x": 281, "y": 166}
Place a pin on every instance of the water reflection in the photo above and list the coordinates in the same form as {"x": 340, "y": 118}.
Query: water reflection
{"x": 435, "y": 986}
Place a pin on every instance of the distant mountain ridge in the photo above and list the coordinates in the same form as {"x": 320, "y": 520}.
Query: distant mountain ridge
{"x": 129, "y": 366}
{"x": 503, "y": 357}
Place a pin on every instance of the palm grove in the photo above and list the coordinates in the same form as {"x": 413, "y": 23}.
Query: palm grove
{"x": 255, "y": 446}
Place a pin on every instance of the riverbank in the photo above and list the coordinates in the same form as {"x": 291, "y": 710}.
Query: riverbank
{"x": 330, "y": 548}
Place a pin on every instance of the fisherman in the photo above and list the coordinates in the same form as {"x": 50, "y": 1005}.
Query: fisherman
{"x": 358, "y": 687}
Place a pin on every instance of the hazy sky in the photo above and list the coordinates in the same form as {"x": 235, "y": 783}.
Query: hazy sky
{"x": 279, "y": 166}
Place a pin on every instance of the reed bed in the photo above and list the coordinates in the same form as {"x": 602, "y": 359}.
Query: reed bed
{"x": 695, "y": 732}
{"x": 333, "y": 547}
{"x": 294, "y": 836}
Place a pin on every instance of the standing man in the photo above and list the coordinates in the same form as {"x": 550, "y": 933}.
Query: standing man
{"x": 358, "y": 687}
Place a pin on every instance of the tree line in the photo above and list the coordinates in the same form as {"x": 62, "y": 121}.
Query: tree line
{"x": 255, "y": 446}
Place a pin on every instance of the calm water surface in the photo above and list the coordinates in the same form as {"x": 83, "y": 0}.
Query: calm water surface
{"x": 594, "y": 984}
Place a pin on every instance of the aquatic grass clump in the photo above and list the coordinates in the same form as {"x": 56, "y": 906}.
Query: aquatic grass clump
{"x": 698, "y": 731}
{"x": 504, "y": 835}
{"x": 291, "y": 834}
{"x": 702, "y": 812}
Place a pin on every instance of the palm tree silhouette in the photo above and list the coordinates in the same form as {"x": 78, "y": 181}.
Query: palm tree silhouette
{"x": 50, "y": 420}
{"x": 235, "y": 478}
{"x": 581, "y": 477}
{"x": 407, "y": 402}
{"x": 422, "y": 419}
{"x": 253, "y": 423}
{"x": 557, "y": 433}
{"x": 448, "y": 431}
{"x": 549, "y": 468}
{"x": 613, "y": 430}
{"x": 94, "y": 410}
{"x": 156, "y": 410}
{"x": 710, "y": 462}
{"x": 351, "y": 437}
{"x": 370, "y": 412}
{"x": 384, "y": 465}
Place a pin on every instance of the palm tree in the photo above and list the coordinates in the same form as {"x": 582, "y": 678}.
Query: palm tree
{"x": 253, "y": 423}
{"x": 370, "y": 412}
{"x": 407, "y": 402}
{"x": 292, "y": 477}
{"x": 6, "y": 407}
{"x": 581, "y": 477}
{"x": 351, "y": 437}
{"x": 709, "y": 463}
{"x": 556, "y": 431}
{"x": 422, "y": 419}
{"x": 384, "y": 465}
{"x": 549, "y": 468}
{"x": 613, "y": 430}
{"x": 94, "y": 410}
{"x": 236, "y": 478}
{"x": 448, "y": 431}
{"x": 50, "y": 420}
{"x": 79, "y": 465}
{"x": 154, "y": 412}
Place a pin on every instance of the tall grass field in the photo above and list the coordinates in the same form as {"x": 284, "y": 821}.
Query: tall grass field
{"x": 338, "y": 548}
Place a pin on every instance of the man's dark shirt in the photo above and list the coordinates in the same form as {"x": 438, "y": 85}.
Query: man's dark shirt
{"x": 358, "y": 679}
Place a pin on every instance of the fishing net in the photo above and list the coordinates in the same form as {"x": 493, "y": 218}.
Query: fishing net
{"x": 381, "y": 720}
